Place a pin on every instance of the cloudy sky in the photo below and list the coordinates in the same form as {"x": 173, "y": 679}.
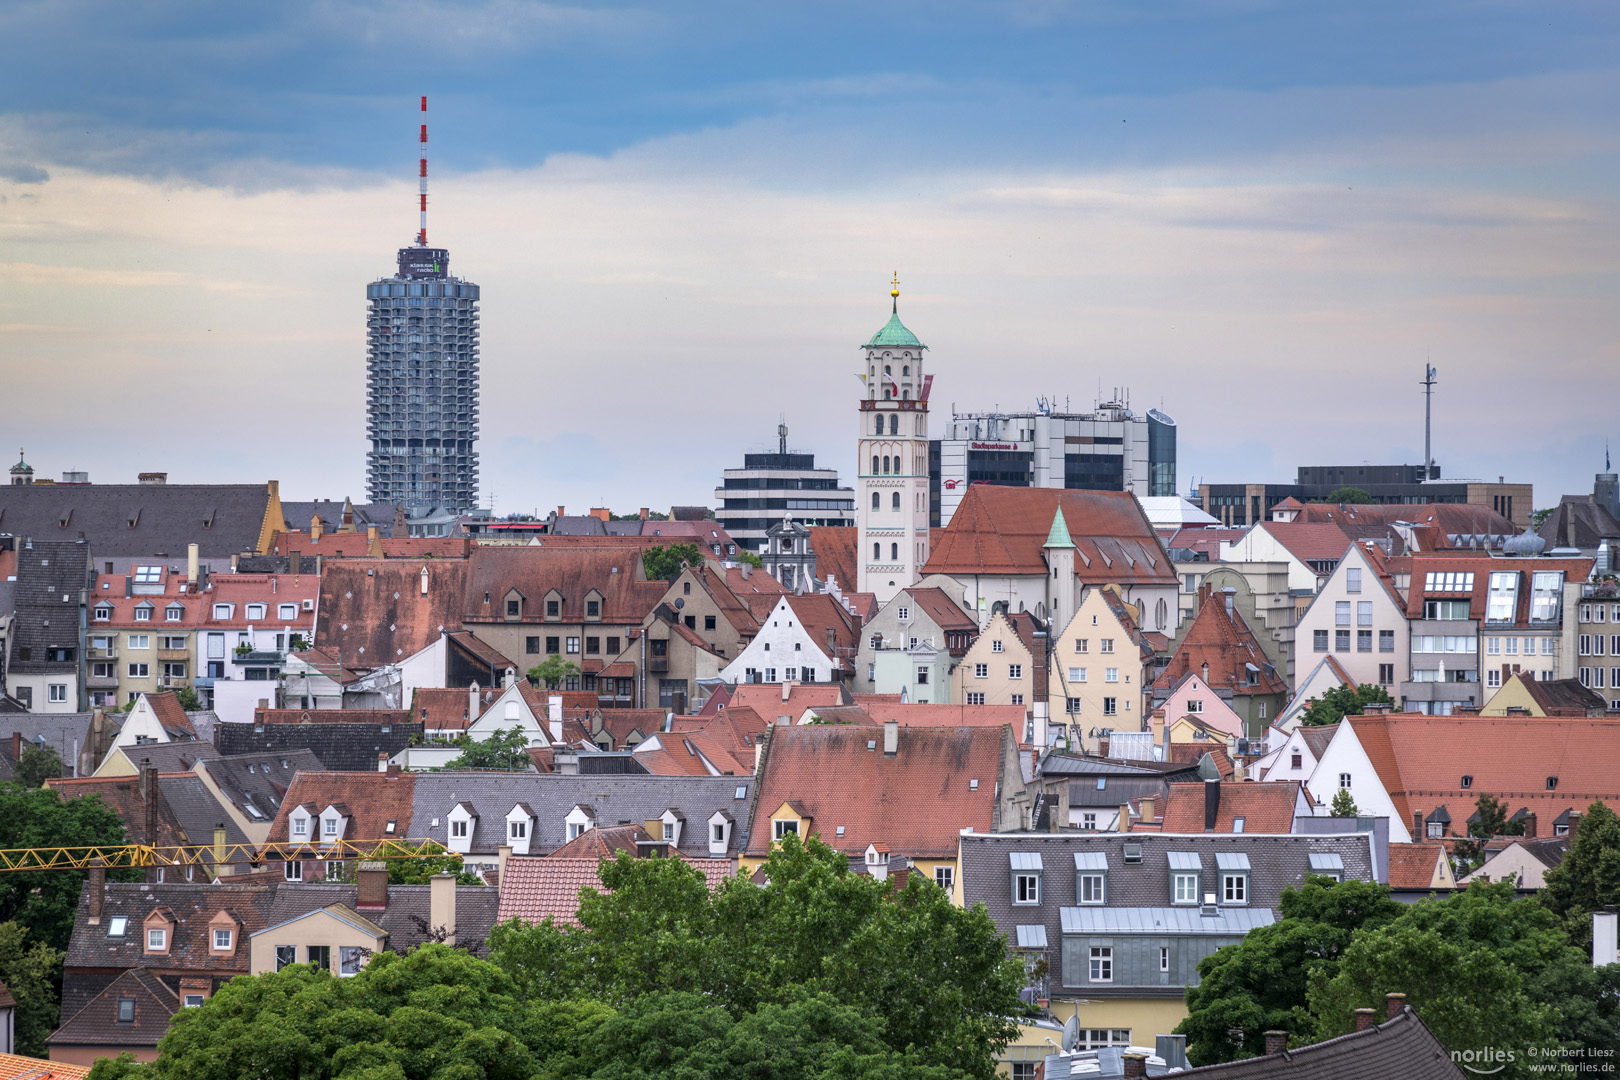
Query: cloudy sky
{"x": 1260, "y": 217}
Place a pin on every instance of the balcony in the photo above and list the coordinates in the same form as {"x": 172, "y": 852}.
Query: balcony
{"x": 658, "y": 665}
{"x": 174, "y": 654}
{"x": 174, "y": 682}
{"x": 101, "y": 682}
{"x": 110, "y": 653}
{"x": 258, "y": 657}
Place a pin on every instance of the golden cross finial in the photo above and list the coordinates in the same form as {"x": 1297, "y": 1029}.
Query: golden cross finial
{"x": 894, "y": 286}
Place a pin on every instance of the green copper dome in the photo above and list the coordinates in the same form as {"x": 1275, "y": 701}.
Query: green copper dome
{"x": 894, "y": 332}
{"x": 1058, "y": 537}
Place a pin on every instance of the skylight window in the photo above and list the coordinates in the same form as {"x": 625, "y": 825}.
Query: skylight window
{"x": 117, "y": 926}
{"x": 742, "y": 793}
{"x": 1448, "y": 581}
{"x": 1546, "y": 591}
{"x": 148, "y": 575}
{"x": 1504, "y": 596}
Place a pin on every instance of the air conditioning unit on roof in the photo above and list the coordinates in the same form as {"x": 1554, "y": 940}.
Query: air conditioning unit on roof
{"x": 309, "y": 605}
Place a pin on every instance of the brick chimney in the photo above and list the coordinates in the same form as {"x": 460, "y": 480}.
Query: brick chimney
{"x": 373, "y": 878}
{"x": 294, "y": 565}
{"x": 98, "y": 890}
{"x": 1135, "y": 1065}
{"x": 1417, "y": 826}
{"x": 1276, "y": 1042}
{"x": 1530, "y": 825}
{"x": 1364, "y": 1019}
{"x": 1394, "y": 1004}
{"x": 16, "y": 746}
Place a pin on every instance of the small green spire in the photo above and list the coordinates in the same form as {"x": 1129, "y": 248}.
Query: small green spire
{"x": 1058, "y": 537}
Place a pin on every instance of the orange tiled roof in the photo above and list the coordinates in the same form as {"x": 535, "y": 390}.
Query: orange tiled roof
{"x": 373, "y": 799}
{"x": 1412, "y": 866}
{"x": 1421, "y": 760}
{"x": 375, "y": 614}
{"x": 17, "y": 1067}
{"x": 921, "y": 715}
{"x": 942, "y": 780}
{"x": 835, "y": 554}
{"x": 947, "y": 614}
{"x": 1228, "y": 646}
{"x": 766, "y": 698}
{"x": 1002, "y": 530}
{"x": 538, "y": 888}
{"x": 166, "y": 707}
{"x": 1264, "y": 808}
{"x": 122, "y": 794}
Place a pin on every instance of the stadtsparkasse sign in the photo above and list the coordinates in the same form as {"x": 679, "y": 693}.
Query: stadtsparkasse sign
{"x": 1000, "y": 446}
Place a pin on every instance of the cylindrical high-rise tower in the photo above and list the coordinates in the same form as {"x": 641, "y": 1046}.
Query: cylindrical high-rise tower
{"x": 422, "y": 379}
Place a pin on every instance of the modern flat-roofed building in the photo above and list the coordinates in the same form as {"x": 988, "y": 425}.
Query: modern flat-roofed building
{"x": 1110, "y": 449}
{"x": 773, "y": 487}
{"x": 1248, "y": 504}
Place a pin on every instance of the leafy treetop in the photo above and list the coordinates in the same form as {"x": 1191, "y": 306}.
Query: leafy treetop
{"x": 665, "y": 563}
{"x": 1341, "y": 701}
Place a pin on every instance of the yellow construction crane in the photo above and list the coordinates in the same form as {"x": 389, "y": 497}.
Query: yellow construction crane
{"x": 121, "y": 856}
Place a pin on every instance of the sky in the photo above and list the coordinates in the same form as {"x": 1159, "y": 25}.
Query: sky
{"x": 1262, "y": 218}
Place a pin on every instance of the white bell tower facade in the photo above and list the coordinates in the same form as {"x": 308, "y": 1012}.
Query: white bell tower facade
{"x": 892, "y": 508}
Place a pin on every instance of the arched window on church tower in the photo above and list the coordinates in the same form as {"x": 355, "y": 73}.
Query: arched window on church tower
{"x": 879, "y": 429}
{"x": 897, "y": 500}
{"x": 877, "y": 500}
{"x": 877, "y": 551}
{"x": 885, "y": 465}
{"x": 906, "y": 370}
{"x": 905, "y": 395}
{"x": 874, "y": 464}
{"x": 894, "y": 423}
{"x": 894, "y": 552}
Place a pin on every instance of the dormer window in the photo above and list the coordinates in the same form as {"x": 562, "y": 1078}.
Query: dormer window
{"x": 255, "y": 612}
{"x": 458, "y": 829}
{"x": 287, "y": 612}
{"x": 174, "y": 613}
{"x": 1026, "y": 877}
{"x": 157, "y": 939}
{"x": 222, "y": 940}
{"x": 143, "y": 613}
{"x": 593, "y": 609}
{"x": 781, "y": 827}
{"x": 103, "y": 612}
{"x": 1233, "y": 869}
{"x": 223, "y": 611}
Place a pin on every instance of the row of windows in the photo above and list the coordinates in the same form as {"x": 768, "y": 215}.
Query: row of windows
{"x": 1092, "y": 888}
{"x": 593, "y": 645}
{"x": 1594, "y": 677}
{"x": 224, "y": 612}
{"x": 1078, "y": 675}
{"x": 1110, "y": 706}
{"x": 1596, "y": 613}
{"x": 1593, "y": 644}
{"x": 1363, "y": 639}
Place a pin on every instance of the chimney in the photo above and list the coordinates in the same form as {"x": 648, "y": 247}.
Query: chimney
{"x": 1276, "y": 1041}
{"x": 472, "y": 703}
{"x": 294, "y": 565}
{"x": 787, "y": 689}
{"x": 315, "y": 529}
{"x": 1212, "y": 803}
{"x": 1172, "y": 1049}
{"x": 1605, "y": 946}
{"x": 554, "y": 717}
{"x": 502, "y": 854}
{"x": 1364, "y": 1019}
{"x": 1530, "y": 825}
{"x": 152, "y": 479}
{"x": 373, "y": 878}
{"x": 566, "y": 764}
{"x": 382, "y": 761}
{"x": 1147, "y": 808}
{"x": 1574, "y": 824}
{"x": 392, "y": 771}
{"x": 1417, "y": 826}
{"x": 16, "y": 746}
{"x": 98, "y": 889}
{"x": 1124, "y": 822}
{"x": 1394, "y": 1004}
{"x": 1135, "y": 1065}
{"x": 562, "y": 511}
{"x": 220, "y": 867}
{"x": 191, "y": 564}
{"x": 442, "y": 906}
{"x": 643, "y": 513}
{"x": 317, "y": 565}
{"x": 891, "y": 738}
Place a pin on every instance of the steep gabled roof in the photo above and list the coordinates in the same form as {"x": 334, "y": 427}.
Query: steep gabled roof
{"x": 1412, "y": 866}
{"x": 1224, "y": 642}
{"x": 372, "y": 798}
{"x": 940, "y": 781}
{"x": 1002, "y": 530}
{"x": 1264, "y": 808}
{"x": 147, "y": 817}
{"x": 834, "y": 548}
{"x": 143, "y": 520}
{"x": 374, "y": 613}
{"x": 96, "y": 1024}
{"x": 939, "y": 607}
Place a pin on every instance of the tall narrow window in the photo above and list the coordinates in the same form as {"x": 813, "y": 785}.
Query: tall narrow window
{"x": 894, "y": 552}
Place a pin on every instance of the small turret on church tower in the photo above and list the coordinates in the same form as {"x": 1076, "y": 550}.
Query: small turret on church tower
{"x": 22, "y": 473}
{"x": 892, "y": 511}
{"x": 1059, "y": 552}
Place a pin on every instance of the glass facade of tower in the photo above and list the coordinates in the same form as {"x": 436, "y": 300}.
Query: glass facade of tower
{"x": 422, "y": 392}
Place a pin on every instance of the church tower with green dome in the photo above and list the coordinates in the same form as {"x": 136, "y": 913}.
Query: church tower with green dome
{"x": 892, "y": 507}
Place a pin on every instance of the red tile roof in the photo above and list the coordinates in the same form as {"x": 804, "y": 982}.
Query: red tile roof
{"x": 338, "y": 716}
{"x": 536, "y": 889}
{"x": 602, "y": 843}
{"x": 1562, "y": 697}
{"x": 373, "y": 799}
{"x": 947, "y": 614}
{"x": 1264, "y": 808}
{"x": 1001, "y": 530}
{"x": 1448, "y": 518}
{"x": 1309, "y": 542}
{"x": 1193, "y": 753}
{"x": 375, "y": 613}
{"x": 949, "y": 715}
{"x": 766, "y": 698}
{"x": 917, "y": 801}
{"x": 336, "y": 545}
{"x": 1421, "y": 760}
{"x": 122, "y": 795}
{"x": 435, "y": 709}
{"x": 17, "y": 1067}
{"x": 1412, "y": 866}
{"x": 1482, "y": 565}
{"x": 835, "y": 554}
{"x": 171, "y": 715}
{"x": 830, "y": 626}
{"x": 1224, "y": 642}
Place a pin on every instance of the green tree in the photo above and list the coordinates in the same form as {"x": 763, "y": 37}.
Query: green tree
{"x": 188, "y": 699}
{"x": 1490, "y": 819}
{"x": 748, "y": 558}
{"x": 418, "y": 870}
{"x": 38, "y": 764}
{"x": 503, "y": 750}
{"x": 45, "y": 901}
{"x": 1341, "y": 701}
{"x": 30, "y": 970}
{"x": 1485, "y": 969}
{"x": 1344, "y": 805}
{"x": 552, "y": 671}
{"x": 1347, "y": 495}
{"x": 1589, "y": 876}
{"x": 665, "y": 563}
{"x": 1262, "y": 983}
{"x": 817, "y": 929}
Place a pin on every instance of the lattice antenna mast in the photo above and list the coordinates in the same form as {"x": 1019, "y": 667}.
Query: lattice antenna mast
{"x": 421, "y": 237}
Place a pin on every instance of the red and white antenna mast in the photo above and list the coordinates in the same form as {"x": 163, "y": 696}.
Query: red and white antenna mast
{"x": 421, "y": 237}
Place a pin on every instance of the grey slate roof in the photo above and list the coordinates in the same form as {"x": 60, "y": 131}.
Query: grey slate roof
{"x": 1060, "y": 764}
{"x": 59, "y": 730}
{"x": 331, "y": 511}
{"x": 1170, "y": 920}
{"x": 221, "y": 519}
{"x": 614, "y": 800}
{"x": 260, "y": 780}
{"x": 1275, "y": 862}
{"x": 405, "y": 920}
{"x": 171, "y": 757}
{"x": 1084, "y": 793}
{"x": 1399, "y": 1049}
{"x": 46, "y": 573}
{"x": 339, "y": 747}
{"x": 196, "y": 809}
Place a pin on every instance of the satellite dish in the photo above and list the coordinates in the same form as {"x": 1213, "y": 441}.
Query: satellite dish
{"x": 680, "y": 602}
{"x": 1071, "y": 1033}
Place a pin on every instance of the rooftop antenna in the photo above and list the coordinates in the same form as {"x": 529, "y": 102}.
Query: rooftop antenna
{"x": 421, "y": 237}
{"x": 781, "y": 433}
{"x": 1428, "y": 417}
